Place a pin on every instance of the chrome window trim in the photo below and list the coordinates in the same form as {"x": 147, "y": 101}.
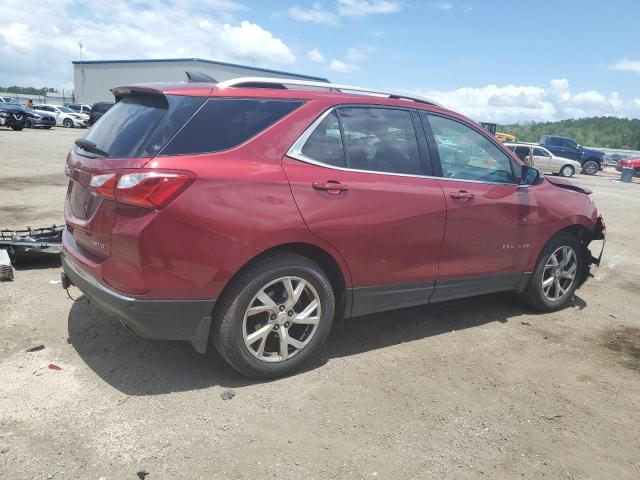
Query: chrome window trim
{"x": 295, "y": 152}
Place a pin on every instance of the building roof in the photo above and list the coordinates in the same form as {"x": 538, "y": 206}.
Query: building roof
{"x": 213, "y": 62}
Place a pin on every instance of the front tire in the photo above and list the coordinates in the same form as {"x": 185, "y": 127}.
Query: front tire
{"x": 68, "y": 123}
{"x": 557, "y": 275}
{"x": 17, "y": 126}
{"x": 567, "y": 171}
{"x": 274, "y": 316}
{"x": 590, "y": 167}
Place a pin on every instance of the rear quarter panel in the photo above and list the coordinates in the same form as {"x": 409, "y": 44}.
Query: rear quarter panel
{"x": 243, "y": 199}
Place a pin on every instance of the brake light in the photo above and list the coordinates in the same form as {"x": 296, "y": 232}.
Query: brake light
{"x": 150, "y": 189}
{"x": 143, "y": 188}
{"x": 103, "y": 184}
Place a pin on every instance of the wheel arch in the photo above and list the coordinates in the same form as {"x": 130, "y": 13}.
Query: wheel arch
{"x": 338, "y": 275}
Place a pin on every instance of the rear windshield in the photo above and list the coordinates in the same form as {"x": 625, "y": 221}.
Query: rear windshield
{"x": 146, "y": 125}
{"x": 140, "y": 125}
{"x": 224, "y": 123}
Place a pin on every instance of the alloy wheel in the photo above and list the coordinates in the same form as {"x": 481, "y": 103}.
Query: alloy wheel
{"x": 559, "y": 273}
{"x": 567, "y": 171}
{"x": 591, "y": 168}
{"x": 281, "y": 319}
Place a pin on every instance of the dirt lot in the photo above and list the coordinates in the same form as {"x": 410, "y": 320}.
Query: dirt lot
{"x": 475, "y": 389}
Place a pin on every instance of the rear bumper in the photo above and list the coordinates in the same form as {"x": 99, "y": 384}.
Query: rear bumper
{"x": 154, "y": 319}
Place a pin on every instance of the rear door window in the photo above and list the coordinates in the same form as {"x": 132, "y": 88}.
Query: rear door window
{"x": 325, "y": 143}
{"x": 224, "y": 123}
{"x": 380, "y": 140}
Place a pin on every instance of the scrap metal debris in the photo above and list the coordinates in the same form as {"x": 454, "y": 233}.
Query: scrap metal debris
{"x": 46, "y": 240}
{"x": 31, "y": 242}
{"x": 6, "y": 269}
{"x": 37, "y": 348}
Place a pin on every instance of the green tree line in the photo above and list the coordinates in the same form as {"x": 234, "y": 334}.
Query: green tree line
{"x": 605, "y": 132}
{"x": 28, "y": 90}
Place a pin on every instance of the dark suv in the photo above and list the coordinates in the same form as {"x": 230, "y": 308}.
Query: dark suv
{"x": 249, "y": 215}
{"x": 592, "y": 160}
{"x": 98, "y": 110}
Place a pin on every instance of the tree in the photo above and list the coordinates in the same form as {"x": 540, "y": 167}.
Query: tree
{"x": 604, "y": 132}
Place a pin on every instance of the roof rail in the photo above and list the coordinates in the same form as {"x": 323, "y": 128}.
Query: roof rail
{"x": 267, "y": 82}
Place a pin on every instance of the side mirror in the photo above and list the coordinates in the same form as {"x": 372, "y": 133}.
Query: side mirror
{"x": 529, "y": 175}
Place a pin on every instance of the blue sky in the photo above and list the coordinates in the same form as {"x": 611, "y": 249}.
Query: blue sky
{"x": 493, "y": 60}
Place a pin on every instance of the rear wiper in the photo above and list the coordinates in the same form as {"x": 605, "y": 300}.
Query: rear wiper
{"x": 89, "y": 146}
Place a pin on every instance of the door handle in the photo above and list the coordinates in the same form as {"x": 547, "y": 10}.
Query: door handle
{"x": 334, "y": 188}
{"x": 461, "y": 195}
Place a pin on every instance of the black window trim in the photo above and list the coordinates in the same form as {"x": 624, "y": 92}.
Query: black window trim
{"x": 435, "y": 154}
{"x": 296, "y": 149}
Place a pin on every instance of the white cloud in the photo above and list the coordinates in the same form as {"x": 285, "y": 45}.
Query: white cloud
{"x": 358, "y": 8}
{"x": 343, "y": 8}
{"x": 358, "y": 54}
{"x": 122, "y": 29}
{"x": 626, "y": 65}
{"x": 515, "y": 103}
{"x": 316, "y": 14}
{"x": 444, "y": 6}
{"x": 315, "y": 56}
{"x": 342, "y": 67}
{"x": 249, "y": 40}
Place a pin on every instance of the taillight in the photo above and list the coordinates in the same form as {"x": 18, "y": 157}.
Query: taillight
{"x": 142, "y": 188}
{"x": 103, "y": 184}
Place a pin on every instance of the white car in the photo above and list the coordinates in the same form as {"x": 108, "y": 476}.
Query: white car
{"x": 544, "y": 160}
{"x": 79, "y": 108}
{"x": 64, "y": 115}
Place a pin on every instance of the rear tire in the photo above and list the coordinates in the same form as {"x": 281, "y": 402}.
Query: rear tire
{"x": 241, "y": 315}
{"x": 550, "y": 288}
{"x": 590, "y": 167}
{"x": 567, "y": 171}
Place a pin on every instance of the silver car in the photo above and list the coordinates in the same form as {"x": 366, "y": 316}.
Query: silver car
{"x": 544, "y": 160}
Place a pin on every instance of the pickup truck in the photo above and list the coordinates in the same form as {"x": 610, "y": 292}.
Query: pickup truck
{"x": 592, "y": 161}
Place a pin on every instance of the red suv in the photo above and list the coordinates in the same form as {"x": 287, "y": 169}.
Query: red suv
{"x": 249, "y": 214}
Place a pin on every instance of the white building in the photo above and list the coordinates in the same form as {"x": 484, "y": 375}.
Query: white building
{"x": 93, "y": 80}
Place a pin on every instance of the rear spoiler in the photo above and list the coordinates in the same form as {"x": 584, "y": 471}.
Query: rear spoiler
{"x": 123, "y": 91}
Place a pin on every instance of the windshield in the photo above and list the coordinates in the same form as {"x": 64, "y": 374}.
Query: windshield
{"x": 66, "y": 110}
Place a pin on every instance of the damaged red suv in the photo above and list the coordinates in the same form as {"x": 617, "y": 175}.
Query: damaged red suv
{"x": 250, "y": 214}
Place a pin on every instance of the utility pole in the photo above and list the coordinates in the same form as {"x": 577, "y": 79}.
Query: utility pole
{"x": 81, "y": 46}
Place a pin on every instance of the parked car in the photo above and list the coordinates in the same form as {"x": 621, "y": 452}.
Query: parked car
{"x": 9, "y": 100}
{"x": 98, "y": 110}
{"x": 544, "y": 160}
{"x": 39, "y": 120}
{"x": 64, "y": 115}
{"x": 12, "y": 115}
{"x": 591, "y": 160}
{"x": 306, "y": 205}
{"x": 633, "y": 163}
{"x": 79, "y": 108}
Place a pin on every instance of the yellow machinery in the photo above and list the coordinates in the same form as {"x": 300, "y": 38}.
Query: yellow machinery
{"x": 503, "y": 137}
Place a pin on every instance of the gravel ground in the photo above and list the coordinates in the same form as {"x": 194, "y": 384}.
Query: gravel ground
{"x": 479, "y": 388}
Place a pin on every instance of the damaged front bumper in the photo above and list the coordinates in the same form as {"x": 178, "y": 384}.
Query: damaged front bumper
{"x": 598, "y": 233}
